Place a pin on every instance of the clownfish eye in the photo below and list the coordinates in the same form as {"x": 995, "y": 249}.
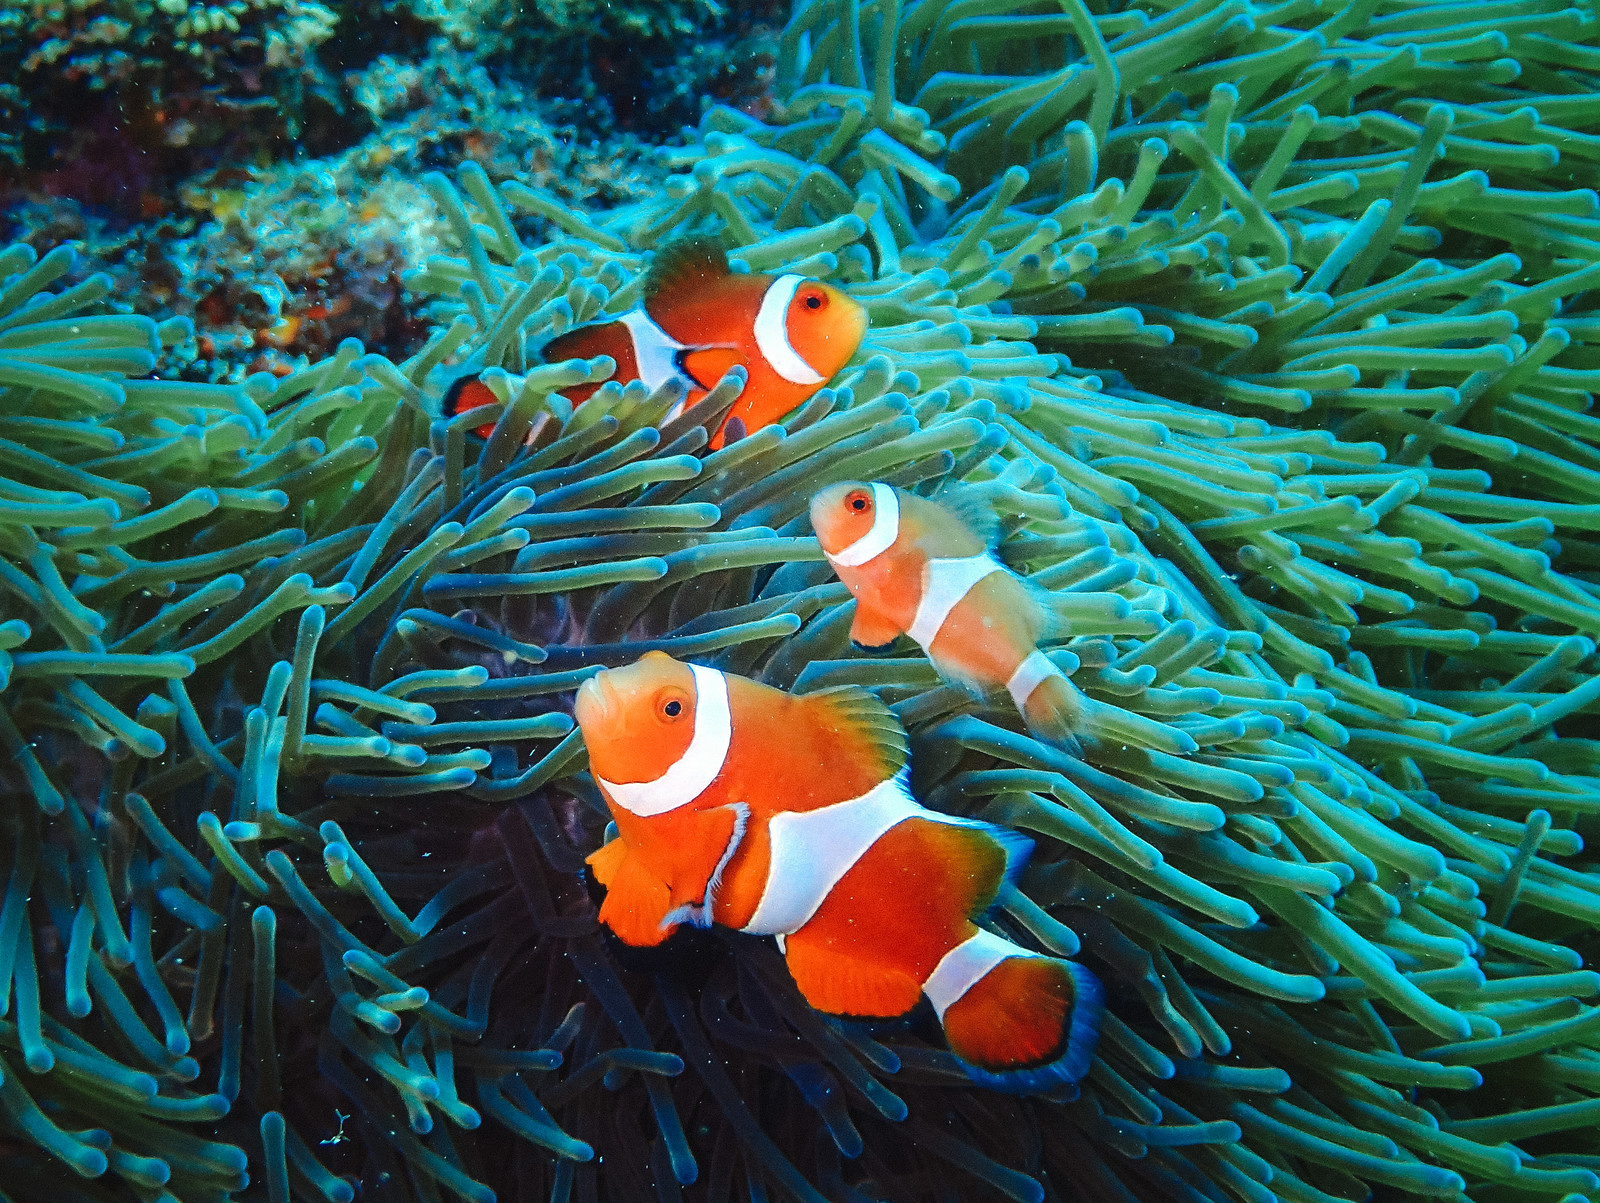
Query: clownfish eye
{"x": 858, "y": 501}
{"x": 813, "y": 299}
{"x": 672, "y": 708}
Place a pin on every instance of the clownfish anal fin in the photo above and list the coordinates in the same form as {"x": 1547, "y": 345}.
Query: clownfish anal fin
{"x": 637, "y": 901}
{"x": 871, "y": 631}
{"x": 837, "y": 984}
{"x": 857, "y": 718}
{"x": 705, "y": 366}
{"x": 685, "y": 263}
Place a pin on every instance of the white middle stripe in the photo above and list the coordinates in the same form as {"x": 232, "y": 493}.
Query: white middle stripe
{"x": 701, "y": 761}
{"x": 813, "y": 849}
{"x": 944, "y": 584}
{"x": 654, "y": 350}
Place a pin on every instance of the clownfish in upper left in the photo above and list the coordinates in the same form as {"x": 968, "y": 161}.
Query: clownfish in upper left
{"x": 698, "y": 319}
{"x": 789, "y": 816}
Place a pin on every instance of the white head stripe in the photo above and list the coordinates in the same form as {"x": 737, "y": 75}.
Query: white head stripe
{"x": 654, "y": 350}
{"x": 701, "y": 761}
{"x": 885, "y": 530}
{"x": 965, "y": 965}
{"x": 772, "y": 333}
{"x": 1030, "y": 674}
{"x": 944, "y": 584}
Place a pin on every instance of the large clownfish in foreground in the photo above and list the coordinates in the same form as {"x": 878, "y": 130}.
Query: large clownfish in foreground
{"x": 699, "y": 318}
{"x": 921, "y": 568}
{"x": 788, "y": 816}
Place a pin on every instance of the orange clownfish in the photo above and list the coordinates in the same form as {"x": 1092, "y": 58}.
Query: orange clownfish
{"x": 698, "y": 319}
{"x": 789, "y": 816}
{"x": 918, "y": 567}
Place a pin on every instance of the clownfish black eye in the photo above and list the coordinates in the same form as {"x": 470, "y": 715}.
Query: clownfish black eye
{"x": 858, "y": 501}
{"x": 673, "y": 708}
{"x": 814, "y": 300}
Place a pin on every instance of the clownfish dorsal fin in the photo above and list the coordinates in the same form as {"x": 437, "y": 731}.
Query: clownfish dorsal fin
{"x": 691, "y": 263}
{"x": 969, "y": 508}
{"x": 855, "y": 714}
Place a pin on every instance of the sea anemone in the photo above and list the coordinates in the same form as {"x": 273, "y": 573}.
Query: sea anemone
{"x": 285, "y": 718}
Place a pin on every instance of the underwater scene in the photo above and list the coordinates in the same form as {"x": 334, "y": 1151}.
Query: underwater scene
{"x": 873, "y": 601}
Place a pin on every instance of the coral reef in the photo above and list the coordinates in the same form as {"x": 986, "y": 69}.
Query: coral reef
{"x": 1293, "y": 304}
{"x": 117, "y": 92}
{"x": 279, "y": 263}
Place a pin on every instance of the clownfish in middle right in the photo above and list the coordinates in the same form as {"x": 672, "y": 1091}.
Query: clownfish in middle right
{"x": 917, "y": 567}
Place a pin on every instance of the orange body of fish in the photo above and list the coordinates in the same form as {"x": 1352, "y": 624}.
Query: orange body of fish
{"x": 699, "y": 319}
{"x": 782, "y": 815}
{"x": 916, "y": 567}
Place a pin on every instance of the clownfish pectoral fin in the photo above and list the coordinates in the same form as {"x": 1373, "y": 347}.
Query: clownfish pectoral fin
{"x": 871, "y": 631}
{"x": 707, "y": 365}
{"x": 637, "y": 901}
{"x": 705, "y": 843}
{"x": 866, "y": 730}
{"x": 836, "y": 984}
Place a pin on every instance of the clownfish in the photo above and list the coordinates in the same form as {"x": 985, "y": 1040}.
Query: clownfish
{"x": 698, "y": 319}
{"x": 789, "y": 816}
{"x": 921, "y": 568}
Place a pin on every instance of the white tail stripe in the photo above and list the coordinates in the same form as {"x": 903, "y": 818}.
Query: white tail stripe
{"x": 654, "y": 350}
{"x": 944, "y": 584}
{"x": 1030, "y": 674}
{"x": 701, "y": 761}
{"x": 965, "y": 965}
{"x": 885, "y": 530}
{"x": 772, "y": 333}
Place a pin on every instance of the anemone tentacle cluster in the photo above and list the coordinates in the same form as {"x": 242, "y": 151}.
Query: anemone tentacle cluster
{"x": 1269, "y": 331}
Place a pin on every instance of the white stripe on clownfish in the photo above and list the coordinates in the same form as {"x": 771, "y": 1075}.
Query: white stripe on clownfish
{"x": 812, "y": 850}
{"x": 772, "y": 333}
{"x": 1030, "y": 674}
{"x": 655, "y": 352}
{"x": 944, "y": 584}
{"x": 885, "y": 530}
{"x": 965, "y": 965}
{"x": 702, "y": 760}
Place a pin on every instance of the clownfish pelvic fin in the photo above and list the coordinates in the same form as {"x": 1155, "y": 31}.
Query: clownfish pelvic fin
{"x": 871, "y": 631}
{"x": 637, "y": 901}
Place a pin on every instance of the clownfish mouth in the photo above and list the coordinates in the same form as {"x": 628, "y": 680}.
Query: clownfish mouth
{"x": 596, "y": 701}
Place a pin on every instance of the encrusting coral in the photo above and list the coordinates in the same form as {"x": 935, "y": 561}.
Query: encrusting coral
{"x": 296, "y": 812}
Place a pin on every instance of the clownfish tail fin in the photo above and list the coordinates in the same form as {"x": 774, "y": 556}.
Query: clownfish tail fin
{"x": 1050, "y": 704}
{"x": 1027, "y": 1025}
